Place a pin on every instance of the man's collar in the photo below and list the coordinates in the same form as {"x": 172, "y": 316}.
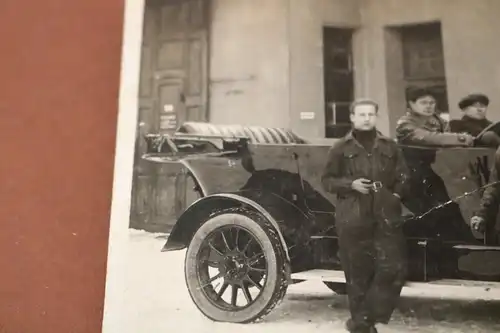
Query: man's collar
{"x": 465, "y": 117}
{"x": 350, "y": 137}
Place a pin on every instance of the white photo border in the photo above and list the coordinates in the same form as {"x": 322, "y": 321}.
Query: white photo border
{"x": 128, "y": 106}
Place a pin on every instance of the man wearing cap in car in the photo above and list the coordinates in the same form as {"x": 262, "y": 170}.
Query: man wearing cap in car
{"x": 474, "y": 121}
{"x": 367, "y": 172}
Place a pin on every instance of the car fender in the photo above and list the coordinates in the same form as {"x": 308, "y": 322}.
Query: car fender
{"x": 269, "y": 205}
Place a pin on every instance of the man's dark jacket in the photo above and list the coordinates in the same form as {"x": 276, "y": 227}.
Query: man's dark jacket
{"x": 348, "y": 161}
{"x": 469, "y": 125}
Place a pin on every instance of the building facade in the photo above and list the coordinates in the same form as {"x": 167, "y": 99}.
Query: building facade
{"x": 299, "y": 63}
{"x": 285, "y": 59}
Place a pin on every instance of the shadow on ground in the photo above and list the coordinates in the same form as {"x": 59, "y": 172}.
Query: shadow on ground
{"x": 415, "y": 312}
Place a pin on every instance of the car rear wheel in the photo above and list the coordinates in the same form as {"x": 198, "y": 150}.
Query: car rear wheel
{"x": 234, "y": 267}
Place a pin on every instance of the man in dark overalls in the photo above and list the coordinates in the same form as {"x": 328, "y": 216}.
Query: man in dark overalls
{"x": 484, "y": 219}
{"x": 367, "y": 172}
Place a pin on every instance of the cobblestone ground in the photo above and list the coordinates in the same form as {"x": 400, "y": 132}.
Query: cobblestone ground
{"x": 157, "y": 301}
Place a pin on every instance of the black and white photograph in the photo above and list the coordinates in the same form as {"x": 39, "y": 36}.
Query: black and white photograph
{"x": 293, "y": 165}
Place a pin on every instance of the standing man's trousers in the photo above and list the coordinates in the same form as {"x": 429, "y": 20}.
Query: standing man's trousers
{"x": 374, "y": 261}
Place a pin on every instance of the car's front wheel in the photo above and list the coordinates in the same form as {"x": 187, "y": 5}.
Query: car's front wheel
{"x": 234, "y": 267}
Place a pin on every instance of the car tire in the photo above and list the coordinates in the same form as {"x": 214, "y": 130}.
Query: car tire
{"x": 263, "y": 235}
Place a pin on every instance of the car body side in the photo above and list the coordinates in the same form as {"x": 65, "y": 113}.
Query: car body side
{"x": 283, "y": 184}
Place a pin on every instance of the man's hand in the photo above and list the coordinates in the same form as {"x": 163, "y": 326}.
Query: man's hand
{"x": 467, "y": 138}
{"x": 477, "y": 223}
{"x": 362, "y": 185}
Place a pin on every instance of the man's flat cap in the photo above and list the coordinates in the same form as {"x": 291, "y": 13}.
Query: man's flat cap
{"x": 473, "y": 98}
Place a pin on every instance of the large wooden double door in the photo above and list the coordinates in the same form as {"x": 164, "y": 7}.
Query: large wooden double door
{"x": 173, "y": 89}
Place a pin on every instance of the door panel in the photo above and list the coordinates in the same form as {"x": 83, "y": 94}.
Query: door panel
{"x": 171, "y": 54}
{"x": 141, "y": 194}
{"x": 195, "y": 72}
{"x": 173, "y": 89}
{"x": 146, "y": 82}
{"x": 164, "y": 198}
{"x": 169, "y": 94}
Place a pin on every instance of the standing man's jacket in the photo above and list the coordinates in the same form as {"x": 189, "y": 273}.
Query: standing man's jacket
{"x": 348, "y": 161}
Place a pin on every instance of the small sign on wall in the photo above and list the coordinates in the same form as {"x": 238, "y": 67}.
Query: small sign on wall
{"x": 168, "y": 121}
{"x": 168, "y": 108}
{"x": 307, "y": 115}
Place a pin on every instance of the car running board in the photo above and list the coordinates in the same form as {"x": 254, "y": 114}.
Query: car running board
{"x": 338, "y": 276}
{"x": 477, "y": 247}
{"x": 458, "y": 247}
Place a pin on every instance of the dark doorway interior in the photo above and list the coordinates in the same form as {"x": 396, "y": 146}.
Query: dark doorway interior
{"x": 423, "y": 60}
{"x": 338, "y": 80}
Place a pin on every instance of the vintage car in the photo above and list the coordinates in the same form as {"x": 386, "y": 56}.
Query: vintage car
{"x": 263, "y": 221}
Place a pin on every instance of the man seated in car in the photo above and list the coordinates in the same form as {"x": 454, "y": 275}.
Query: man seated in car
{"x": 423, "y": 127}
{"x": 474, "y": 121}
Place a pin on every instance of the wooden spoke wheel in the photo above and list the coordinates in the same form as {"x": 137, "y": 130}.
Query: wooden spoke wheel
{"x": 234, "y": 267}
